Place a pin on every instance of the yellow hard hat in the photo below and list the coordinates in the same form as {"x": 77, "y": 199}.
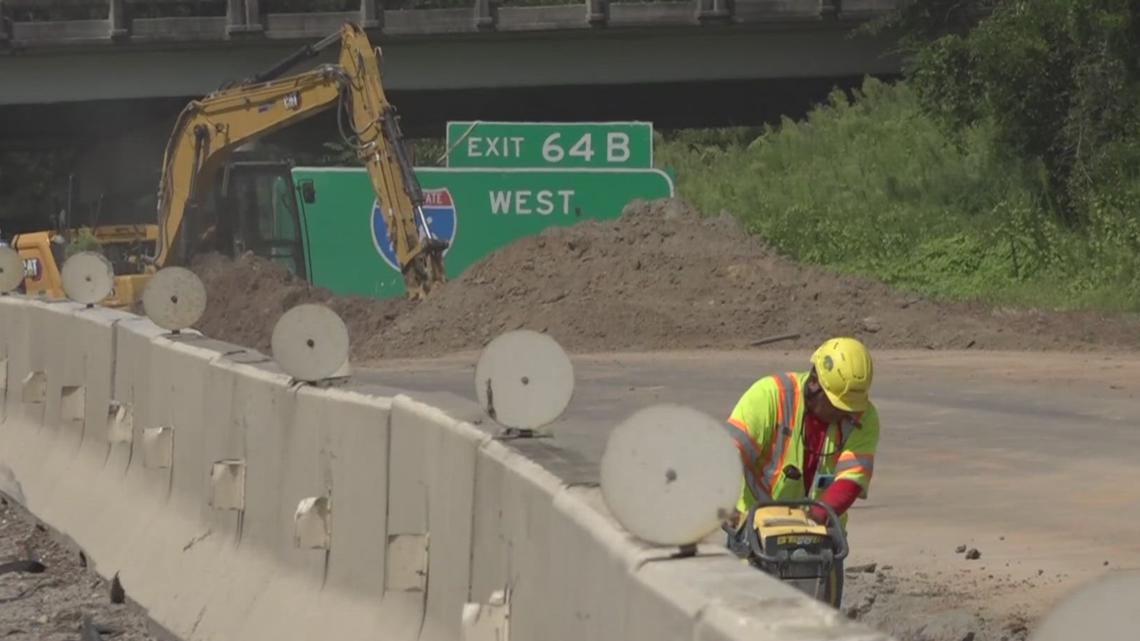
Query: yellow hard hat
{"x": 843, "y": 366}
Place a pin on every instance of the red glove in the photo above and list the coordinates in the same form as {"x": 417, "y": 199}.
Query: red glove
{"x": 839, "y": 496}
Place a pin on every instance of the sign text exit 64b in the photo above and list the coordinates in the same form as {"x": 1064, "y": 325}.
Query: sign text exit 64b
{"x": 627, "y": 145}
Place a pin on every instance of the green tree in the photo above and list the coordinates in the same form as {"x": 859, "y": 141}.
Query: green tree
{"x": 1059, "y": 80}
{"x": 918, "y": 22}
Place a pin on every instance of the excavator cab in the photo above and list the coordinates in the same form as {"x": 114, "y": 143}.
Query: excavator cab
{"x": 257, "y": 203}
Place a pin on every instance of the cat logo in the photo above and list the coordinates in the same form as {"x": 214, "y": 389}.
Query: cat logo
{"x": 33, "y": 269}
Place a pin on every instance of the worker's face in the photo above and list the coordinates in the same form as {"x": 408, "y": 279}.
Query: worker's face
{"x": 821, "y": 406}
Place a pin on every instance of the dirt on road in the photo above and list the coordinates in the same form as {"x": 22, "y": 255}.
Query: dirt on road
{"x": 60, "y": 598}
{"x": 660, "y": 277}
{"x": 932, "y": 606}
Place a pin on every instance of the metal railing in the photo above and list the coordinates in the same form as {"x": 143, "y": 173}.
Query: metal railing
{"x": 45, "y": 23}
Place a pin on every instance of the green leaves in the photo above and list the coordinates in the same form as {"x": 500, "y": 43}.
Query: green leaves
{"x": 1058, "y": 79}
{"x": 83, "y": 240}
{"x": 877, "y": 186}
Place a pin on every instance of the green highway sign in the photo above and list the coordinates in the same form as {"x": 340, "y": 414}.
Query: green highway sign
{"x": 478, "y": 210}
{"x": 540, "y": 145}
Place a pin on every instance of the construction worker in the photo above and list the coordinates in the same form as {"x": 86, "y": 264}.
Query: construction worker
{"x": 809, "y": 434}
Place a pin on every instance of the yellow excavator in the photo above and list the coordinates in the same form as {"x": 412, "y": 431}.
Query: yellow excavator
{"x": 196, "y": 192}
{"x": 44, "y": 253}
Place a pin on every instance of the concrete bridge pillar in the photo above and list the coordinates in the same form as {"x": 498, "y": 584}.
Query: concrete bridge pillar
{"x": 371, "y": 14}
{"x": 5, "y": 27}
{"x": 243, "y": 16}
{"x": 120, "y": 22}
{"x": 714, "y": 10}
{"x": 485, "y": 18}
{"x": 599, "y": 12}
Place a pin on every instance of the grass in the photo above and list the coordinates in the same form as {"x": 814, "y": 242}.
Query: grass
{"x": 874, "y": 187}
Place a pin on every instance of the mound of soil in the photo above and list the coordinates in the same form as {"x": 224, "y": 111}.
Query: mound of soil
{"x": 245, "y": 298}
{"x": 660, "y": 277}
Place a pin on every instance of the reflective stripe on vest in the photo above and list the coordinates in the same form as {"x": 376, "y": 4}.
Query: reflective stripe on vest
{"x": 739, "y": 433}
{"x": 790, "y": 399}
{"x": 851, "y": 462}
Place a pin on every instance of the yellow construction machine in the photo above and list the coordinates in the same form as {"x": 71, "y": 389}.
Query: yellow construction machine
{"x": 44, "y": 252}
{"x": 780, "y": 539}
{"x": 195, "y": 192}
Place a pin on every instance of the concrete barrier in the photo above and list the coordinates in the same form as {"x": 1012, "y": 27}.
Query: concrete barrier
{"x": 234, "y": 504}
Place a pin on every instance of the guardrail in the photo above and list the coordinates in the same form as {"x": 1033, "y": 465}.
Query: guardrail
{"x": 33, "y": 24}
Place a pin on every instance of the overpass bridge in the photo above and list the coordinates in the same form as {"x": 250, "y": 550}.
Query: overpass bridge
{"x": 467, "y": 45}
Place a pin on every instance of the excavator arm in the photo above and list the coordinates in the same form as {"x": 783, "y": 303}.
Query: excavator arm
{"x": 208, "y": 130}
{"x": 380, "y": 146}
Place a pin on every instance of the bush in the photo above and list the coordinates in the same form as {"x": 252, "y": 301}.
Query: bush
{"x": 877, "y": 186}
{"x": 83, "y": 241}
{"x": 1060, "y": 82}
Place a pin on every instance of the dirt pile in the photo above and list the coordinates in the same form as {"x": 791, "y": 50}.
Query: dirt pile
{"x": 661, "y": 277}
{"x": 246, "y": 296}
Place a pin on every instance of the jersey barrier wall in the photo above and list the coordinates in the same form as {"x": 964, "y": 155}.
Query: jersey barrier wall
{"x": 234, "y": 504}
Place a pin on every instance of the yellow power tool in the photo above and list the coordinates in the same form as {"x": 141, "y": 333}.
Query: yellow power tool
{"x": 781, "y": 539}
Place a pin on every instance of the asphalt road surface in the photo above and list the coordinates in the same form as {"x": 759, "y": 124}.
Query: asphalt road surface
{"x": 1031, "y": 459}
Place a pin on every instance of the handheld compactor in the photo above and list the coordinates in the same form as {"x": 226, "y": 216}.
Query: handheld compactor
{"x": 780, "y": 539}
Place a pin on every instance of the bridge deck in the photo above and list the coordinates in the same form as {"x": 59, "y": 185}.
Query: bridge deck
{"x": 24, "y": 27}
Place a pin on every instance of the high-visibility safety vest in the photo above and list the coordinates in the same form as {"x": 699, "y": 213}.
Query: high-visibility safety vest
{"x": 768, "y": 427}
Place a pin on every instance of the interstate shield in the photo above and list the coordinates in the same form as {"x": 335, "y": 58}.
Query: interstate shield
{"x": 439, "y": 210}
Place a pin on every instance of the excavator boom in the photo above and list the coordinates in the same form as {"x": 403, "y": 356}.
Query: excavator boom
{"x": 208, "y": 130}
